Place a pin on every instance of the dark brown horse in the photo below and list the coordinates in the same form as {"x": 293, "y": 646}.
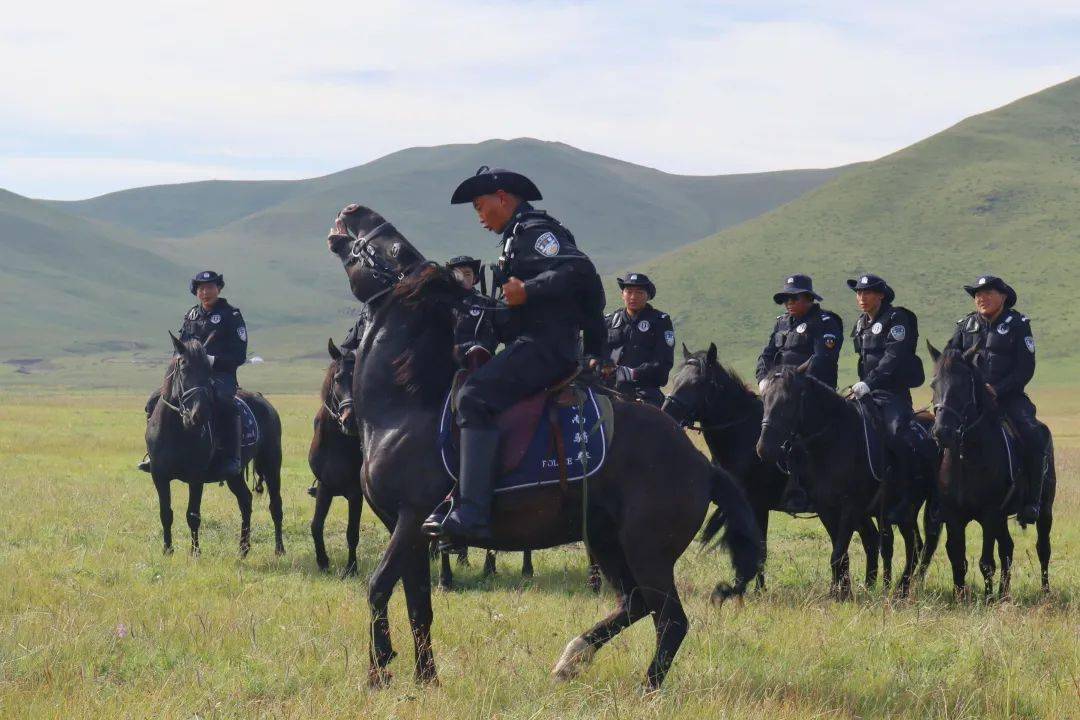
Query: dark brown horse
{"x": 180, "y": 442}
{"x": 827, "y": 435}
{"x": 639, "y": 512}
{"x": 975, "y": 481}
{"x": 712, "y": 399}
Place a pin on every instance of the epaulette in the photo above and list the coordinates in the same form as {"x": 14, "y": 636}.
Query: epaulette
{"x": 663, "y": 316}
{"x": 193, "y": 313}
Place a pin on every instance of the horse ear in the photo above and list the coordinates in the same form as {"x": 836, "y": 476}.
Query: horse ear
{"x": 177, "y": 345}
{"x": 803, "y": 368}
{"x": 710, "y": 357}
{"x": 333, "y": 349}
{"x": 686, "y": 354}
{"x": 935, "y": 354}
{"x": 971, "y": 352}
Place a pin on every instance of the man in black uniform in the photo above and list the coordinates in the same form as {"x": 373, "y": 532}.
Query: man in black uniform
{"x": 474, "y": 331}
{"x": 1006, "y": 358}
{"x": 641, "y": 341}
{"x": 554, "y": 294}
{"x": 885, "y": 337}
{"x": 220, "y": 328}
{"x": 805, "y": 335}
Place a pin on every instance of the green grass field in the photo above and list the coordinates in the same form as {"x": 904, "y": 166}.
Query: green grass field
{"x": 98, "y": 623}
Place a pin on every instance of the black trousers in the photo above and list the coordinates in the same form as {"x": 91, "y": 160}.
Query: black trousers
{"x": 1021, "y": 411}
{"x": 522, "y": 368}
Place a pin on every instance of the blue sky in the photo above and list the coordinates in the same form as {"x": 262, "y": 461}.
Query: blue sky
{"x": 99, "y": 97}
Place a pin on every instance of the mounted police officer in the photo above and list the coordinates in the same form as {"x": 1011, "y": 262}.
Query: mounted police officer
{"x": 554, "y": 295}
{"x": 1006, "y": 359}
{"x": 805, "y": 336}
{"x": 474, "y": 329}
{"x": 885, "y": 337}
{"x": 641, "y": 341}
{"x": 221, "y": 329}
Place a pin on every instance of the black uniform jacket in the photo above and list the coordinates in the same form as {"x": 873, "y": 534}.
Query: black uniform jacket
{"x": 564, "y": 294}
{"x": 816, "y": 336}
{"x": 886, "y": 348}
{"x": 1007, "y": 355}
{"x": 645, "y": 344}
{"x": 222, "y": 331}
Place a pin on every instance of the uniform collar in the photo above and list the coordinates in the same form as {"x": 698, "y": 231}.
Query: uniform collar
{"x": 792, "y": 320}
{"x": 641, "y": 314}
{"x": 885, "y": 307}
{"x": 523, "y": 207}
{"x": 218, "y": 306}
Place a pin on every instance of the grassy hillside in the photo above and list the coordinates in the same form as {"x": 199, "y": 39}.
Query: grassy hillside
{"x": 998, "y": 193}
{"x": 112, "y": 271}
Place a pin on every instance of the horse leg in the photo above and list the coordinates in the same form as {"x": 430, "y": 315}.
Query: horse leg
{"x": 161, "y": 484}
{"x": 1005, "y": 554}
{"x": 273, "y": 484}
{"x": 909, "y": 532}
{"x": 871, "y": 542}
{"x": 888, "y": 546}
{"x": 840, "y": 561}
{"x": 463, "y": 556}
{"x": 446, "y": 575}
{"x": 594, "y": 581}
{"x": 986, "y": 560}
{"x": 243, "y": 500}
{"x": 526, "y": 564}
{"x": 631, "y": 608}
{"x": 416, "y": 577}
{"x": 1042, "y": 542}
{"x": 956, "y": 547}
{"x": 352, "y": 531}
{"x": 194, "y": 504}
{"x": 489, "y": 563}
{"x": 323, "y": 499}
{"x": 761, "y": 514}
{"x": 932, "y": 528}
{"x": 656, "y": 583}
{"x": 380, "y": 588}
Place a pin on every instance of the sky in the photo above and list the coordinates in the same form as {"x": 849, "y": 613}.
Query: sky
{"x": 103, "y": 96}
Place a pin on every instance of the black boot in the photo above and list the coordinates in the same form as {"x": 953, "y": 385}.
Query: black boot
{"x": 1035, "y": 465}
{"x": 471, "y": 518}
{"x": 795, "y": 499}
{"x": 228, "y": 461}
{"x": 144, "y": 464}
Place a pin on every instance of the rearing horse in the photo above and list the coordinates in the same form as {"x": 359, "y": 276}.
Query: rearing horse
{"x": 638, "y": 513}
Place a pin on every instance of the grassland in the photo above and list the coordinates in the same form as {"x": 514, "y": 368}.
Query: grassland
{"x": 97, "y": 623}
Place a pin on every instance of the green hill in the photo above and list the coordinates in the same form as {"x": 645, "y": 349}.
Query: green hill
{"x": 127, "y": 256}
{"x": 997, "y": 193}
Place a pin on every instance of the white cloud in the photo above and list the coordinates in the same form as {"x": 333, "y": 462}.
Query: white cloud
{"x": 241, "y": 89}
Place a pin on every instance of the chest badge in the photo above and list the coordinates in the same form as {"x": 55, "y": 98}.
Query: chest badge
{"x": 474, "y": 311}
{"x": 876, "y": 328}
{"x": 215, "y": 318}
{"x": 547, "y": 245}
{"x": 643, "y": 326}
{"x": 1003, "y": 329}
{"x": 801, "y": 328}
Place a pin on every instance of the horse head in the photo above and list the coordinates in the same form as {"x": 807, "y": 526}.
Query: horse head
{"x": 704, "y": 390}
{"x": 957, "y": 391}
{"x": 336, "y": 391}
{"x": 375, "y": 255}
{"x": 188, "y": 386}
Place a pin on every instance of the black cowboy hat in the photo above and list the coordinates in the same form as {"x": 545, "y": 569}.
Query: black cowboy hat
{"x": 465, "y": 261}
{"x": 796, "y": 285}
{"x": 488, "y": 180}
{"x": 873, "y": 282}
{"x": 206, "y": 276}
{"x": 635, "y": 279}
{"x": 990, "y": 281}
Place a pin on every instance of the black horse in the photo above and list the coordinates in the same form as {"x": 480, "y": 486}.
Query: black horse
{"x": 830, "y": 447}
{"x": 335, "y": 458}
{"x": 638, "y": 513}
{"x": 975, "y": 481}
{"x": 179, "y": 439}
{"x": 708, "y": 397}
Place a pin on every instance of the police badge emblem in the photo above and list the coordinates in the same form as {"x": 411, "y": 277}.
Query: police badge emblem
{"x": 474, "y": 311}
{"x": 669, "y": 337}
{"x": 242, "y": 332}
{"x": 801, "y": 328}
{"x": 1029, "y": 343}
{"x": 898, "y": 332}
{"x": 547, "y": 244}
{"x": 643, "y": 326}
{"x": 876, "y": 328}
{"x": 1003, "y": 329}
{"x": 215, "y": 318}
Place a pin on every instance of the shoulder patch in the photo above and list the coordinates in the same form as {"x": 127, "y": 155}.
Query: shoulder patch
{"x": 242, "y": 333}
{"x": 193, "y": 313}
{"x": 669, "y": 337}
{"x": 898, "y": 332}
{"x": 547, "y": 244}
{"x": 1029, "y": 343}
{"x": 663, "y": 315}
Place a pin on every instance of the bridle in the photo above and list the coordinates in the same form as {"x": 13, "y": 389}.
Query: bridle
{"x": 185, "y": 398}
{"x": 334, "y": 398}
{"x": 794, "y": 436}
{"x": 691, "y": 412}
{"x": 386, "y": 273}
{"x": 961, "y": 415}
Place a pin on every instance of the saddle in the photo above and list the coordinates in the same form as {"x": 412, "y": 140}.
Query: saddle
{"x": 558, "y": 435}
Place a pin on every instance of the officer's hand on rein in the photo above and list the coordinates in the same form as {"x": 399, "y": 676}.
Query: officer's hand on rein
{"x": 624, "y": 374}
{"x": 514, "y": 292}
{"x": 860, "y": 389}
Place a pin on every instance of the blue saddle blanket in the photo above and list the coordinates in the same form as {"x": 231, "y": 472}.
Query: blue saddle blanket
{"x": 585, "y": 441}
{"x": 249, "y": 426}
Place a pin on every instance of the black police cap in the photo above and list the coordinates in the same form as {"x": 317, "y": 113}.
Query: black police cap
{"x": 465, "y": 261}
{"x": 206, "y": 276}
{"x": 488, "y": 180}
{"x": 873, "y": 282}
{"x": 991, "y": 281}
{"x": 796, "y": 285}
{"x": 634, "y": 279}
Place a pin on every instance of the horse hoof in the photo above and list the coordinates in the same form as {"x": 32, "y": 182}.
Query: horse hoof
{"x": 195, "y": 552}
{"x": 167, "y": 550}
{"x": 244, "y": 550}
{"x": 577, "y": 654}
{"x": 379, "y": 678}
{"x": 349, "y": 571}
{"x": 279, "y": 550}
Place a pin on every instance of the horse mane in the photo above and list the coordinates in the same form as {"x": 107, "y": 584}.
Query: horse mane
{"x": 826, "y": 394}
{"x": 430, "y": 281}
{"x": 194, "y": 351}
{"x": 729, "y": 374}
{"x": 328, "y": 379}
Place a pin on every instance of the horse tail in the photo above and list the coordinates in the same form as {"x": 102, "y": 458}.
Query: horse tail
{"x": 741, "y": 537}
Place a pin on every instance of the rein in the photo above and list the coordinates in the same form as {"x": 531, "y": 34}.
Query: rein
{"x": 689, "y": 421}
